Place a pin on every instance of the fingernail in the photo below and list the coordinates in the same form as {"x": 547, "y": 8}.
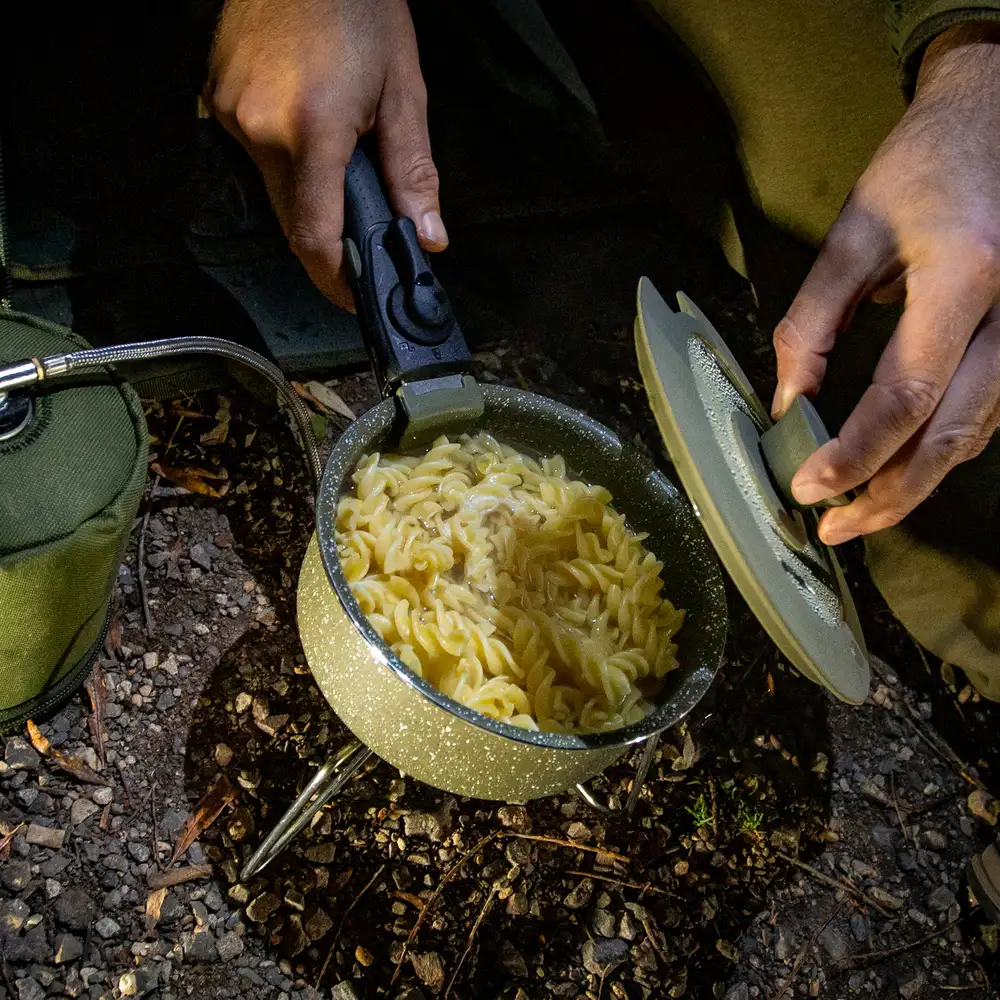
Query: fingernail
{"x": 837, "y": 536}
{"x": 783, "y": 398}
{"x": 812, "y": 491}
{"x": 432, "y": 231}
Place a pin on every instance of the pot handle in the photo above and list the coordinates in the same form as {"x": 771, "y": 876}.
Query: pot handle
{"x": 406, "y": 318}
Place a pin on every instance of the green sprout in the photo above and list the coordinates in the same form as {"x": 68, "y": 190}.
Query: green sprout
{"x": 700, "y": 812}
{"x": 747, "y": 819}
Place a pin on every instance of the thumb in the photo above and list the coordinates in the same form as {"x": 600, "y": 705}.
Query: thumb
{"x": 407, "y": 165}
{"x": 849, "y": 262}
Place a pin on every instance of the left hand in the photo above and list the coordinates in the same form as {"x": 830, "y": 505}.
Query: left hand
{"x": 924, "y": 220}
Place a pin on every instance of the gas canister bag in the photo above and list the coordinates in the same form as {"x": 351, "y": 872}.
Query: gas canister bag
{"x": 70, "y": 486}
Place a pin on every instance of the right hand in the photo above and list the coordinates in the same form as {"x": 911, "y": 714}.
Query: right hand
{"x": 297, "y": 82}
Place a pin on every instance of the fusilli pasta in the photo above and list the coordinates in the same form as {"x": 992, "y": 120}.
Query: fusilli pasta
{"x": 509, "y": 586}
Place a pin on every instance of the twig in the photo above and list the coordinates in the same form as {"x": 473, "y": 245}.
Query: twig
{"x": 940, "y": 748}
{"x": 343, "y": 919}
{"x": 803, "y": 951}
{"x": 931, "y": 804}
{"x": 646, "y": 887}
{"x": 835, "y": 883}
{"x": 895, "y": 805}
{"x": 468, "y": 944}
{"x": 576, "y": 845}
{"x": 604, "y": 975}
{"x": 715, "y": 813}
{"x": 986, "y": 978}
{"x": 95, "y": 721}
{"x": 154, "y": 828}
{"x": 126, "y": 784}
{"x": 8, "y": 839}
{"x": 448, "y": 876}
{"x": 651, "y": 936}
{"x": 140, "y": 558}
{"x": 923, "y": 656}
{"x": 867, "y": 957}
{"x": 164, "y": 880}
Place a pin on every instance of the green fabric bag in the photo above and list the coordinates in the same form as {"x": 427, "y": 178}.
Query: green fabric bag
{"x": 70, "y": 487}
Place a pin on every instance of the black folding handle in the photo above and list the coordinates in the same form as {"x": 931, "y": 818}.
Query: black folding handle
{"x": 405, "y": 316}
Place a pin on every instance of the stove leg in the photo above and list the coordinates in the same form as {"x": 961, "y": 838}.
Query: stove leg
{"x": 323, "y": 786}
{"x": 637, "y": 782}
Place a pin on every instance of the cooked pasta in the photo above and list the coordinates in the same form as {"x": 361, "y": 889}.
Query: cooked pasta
{"x": 509, "y": 586}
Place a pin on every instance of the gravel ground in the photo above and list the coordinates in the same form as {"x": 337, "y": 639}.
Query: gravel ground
{"x": 783, "y": 845}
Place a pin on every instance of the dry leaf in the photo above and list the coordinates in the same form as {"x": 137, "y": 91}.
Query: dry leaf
{"x": 205, "y": 814}
{"x": 164, "y": 880}
{"x": 220, "y": 432}
{"x": 183, "y": 411}
{"x": 6, "y": 841}
{"x": 191, "y": 479}
{"x": 330, "y": 398}
{"x": 688, "y": 755}
{"x": 983, "y": 805}
{"x": 67, "y": 762}
{"x": 323, "y": 399}
{"x": 154, "y": 903}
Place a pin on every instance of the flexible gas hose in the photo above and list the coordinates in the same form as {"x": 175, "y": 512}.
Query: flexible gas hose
{"x": 29, "y": 372}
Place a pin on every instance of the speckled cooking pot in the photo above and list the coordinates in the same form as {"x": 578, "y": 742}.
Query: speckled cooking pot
{"x": 427, "y": 735}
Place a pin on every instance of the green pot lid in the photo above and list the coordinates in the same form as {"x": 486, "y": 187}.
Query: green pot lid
{"x": 737, "y": 477}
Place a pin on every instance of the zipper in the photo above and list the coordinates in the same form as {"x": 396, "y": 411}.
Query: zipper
{"x": 64, "y": 689}
{"x": 5, "y": 277}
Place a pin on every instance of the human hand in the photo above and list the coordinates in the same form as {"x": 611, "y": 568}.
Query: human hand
{"x": 924, "y": 221}
{"x": 297, "y": 82}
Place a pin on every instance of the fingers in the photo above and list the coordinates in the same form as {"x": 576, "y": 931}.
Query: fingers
{"x": 944, "y": 308}
{"x": 407, "y": 164}
{"x": 962, "y": 424}
{"x": 852, "y": 260}
{"x": 314, "y": 212}
{"x": 303, "y": 171}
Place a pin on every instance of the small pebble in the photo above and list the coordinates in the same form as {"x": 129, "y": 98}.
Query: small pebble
{"x": 45, "y": 836}
{"x": 939, "y": 899}
{"x": 107, "y": 928}
{"x": 82, "y": 810}
{"x": 103, "y": 796}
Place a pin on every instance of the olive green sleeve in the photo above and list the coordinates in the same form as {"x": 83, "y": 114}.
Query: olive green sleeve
{"x": 913, "y": 24}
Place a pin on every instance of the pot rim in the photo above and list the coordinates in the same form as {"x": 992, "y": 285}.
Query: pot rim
{"x": 369, "y": 429}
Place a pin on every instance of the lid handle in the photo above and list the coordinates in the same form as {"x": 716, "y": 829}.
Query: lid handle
{"x": 787, "y": 444}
